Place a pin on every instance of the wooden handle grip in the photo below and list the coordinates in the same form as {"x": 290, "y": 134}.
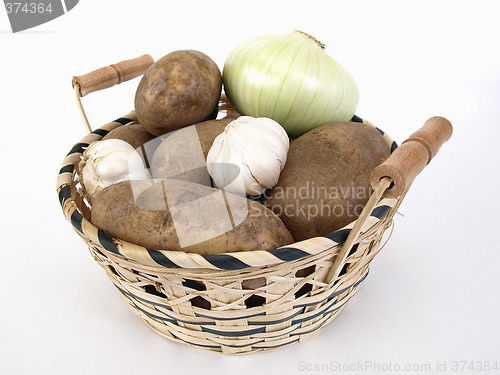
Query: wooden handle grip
{"x": 112, "y": 75}
{"x": 409, "y": 159}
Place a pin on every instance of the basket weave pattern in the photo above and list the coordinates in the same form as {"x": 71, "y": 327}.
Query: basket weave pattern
{"x": 231, "y": 303}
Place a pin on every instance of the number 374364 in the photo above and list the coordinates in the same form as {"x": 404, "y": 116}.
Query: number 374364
{"x": 28, "y": 8}
{"x": 474, "y": 366}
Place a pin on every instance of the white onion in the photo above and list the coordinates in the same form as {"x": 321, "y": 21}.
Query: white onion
{"x": 290, "y": 79}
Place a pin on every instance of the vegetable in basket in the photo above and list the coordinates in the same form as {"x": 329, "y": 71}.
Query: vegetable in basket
{"x": 180, "y": 215}
{"x": 326, "y": 180}
{"x": 291, "y": 79}
{"x": 180, "y": 89}
{"x": 134, "y": 134}
{"x": 248, "y": 156}
{"x": 108, "y": 162}
{"x": 266, "y": 299}
{"x": 182, "y": 153}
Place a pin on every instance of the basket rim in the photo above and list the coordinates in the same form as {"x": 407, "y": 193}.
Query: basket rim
{"x": 227, "y": 261}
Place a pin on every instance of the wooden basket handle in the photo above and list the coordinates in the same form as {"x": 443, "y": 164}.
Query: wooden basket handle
{"x": 409, "y": 159}
{"x": 112, "y": 75}
{"x": 106, "y": 77}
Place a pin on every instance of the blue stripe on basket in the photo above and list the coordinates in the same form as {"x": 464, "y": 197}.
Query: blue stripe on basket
{"x": 394, "y": 146}
{"x": 123, "y": 120}
{"x": 143, "y": 299}
{"x": 322, "y": 311}
{"x": 338, "y": 236}
{"x": 101, "y": 132}
{"x": 76, "y": 221}
{"x": 356, "y": 119}
{"x": 67, "y": 169}
{"x": 288, "y": 253}
{"x": 380, "y": 211}
{"x": 172, "y": 320}
{"x": 153, "y": 316}
{"x": 177, "y": 321}
{"x": 330, "y": 296}
{"x": 247, "y": 332}
{"x": 64, "y": 194}
{"x": 257, "y": 323}
{"x": 335, "y": 294}
{"x": 331, "y": 308}
{"x": 78, "y": 148}
{"x": 161, "y": 259}
{"x": 226, "y": 262}
{"x": 107, "y": 242}
{"x": 198, "y": 315}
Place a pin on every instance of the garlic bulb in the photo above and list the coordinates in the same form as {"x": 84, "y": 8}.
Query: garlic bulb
{"x": 248, "y": 156}
{"x": 108, "y": 162}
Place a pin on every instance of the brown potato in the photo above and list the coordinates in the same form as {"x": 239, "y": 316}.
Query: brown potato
{"x": 182, "y": 154}
{"x": 179, "y": 215}
{"x": 133, "y": 134}
{"x": 326, "y": 180}
{"x": 180, "y": 89}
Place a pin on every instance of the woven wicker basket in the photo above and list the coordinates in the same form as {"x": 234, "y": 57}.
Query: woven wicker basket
{"x": 249, "y": 301}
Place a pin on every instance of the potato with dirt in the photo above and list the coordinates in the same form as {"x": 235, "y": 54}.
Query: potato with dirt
{"x": 326, "y": 180}
{"x": 180, "y": 89}
{"x": 182, "y": 154}
{"x": 179, "y": 215}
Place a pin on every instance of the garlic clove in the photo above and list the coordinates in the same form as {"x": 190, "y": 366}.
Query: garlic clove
{"x": 108, "y": 162}
{"x": 112, "y": 169}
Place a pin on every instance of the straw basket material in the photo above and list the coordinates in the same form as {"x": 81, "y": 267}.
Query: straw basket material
{"x": 240, "y": 302}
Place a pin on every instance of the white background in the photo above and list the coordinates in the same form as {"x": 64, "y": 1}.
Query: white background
{"x": 432, "y": 293}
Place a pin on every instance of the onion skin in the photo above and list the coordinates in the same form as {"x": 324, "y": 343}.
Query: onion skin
{"x": 290, "y": 79}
